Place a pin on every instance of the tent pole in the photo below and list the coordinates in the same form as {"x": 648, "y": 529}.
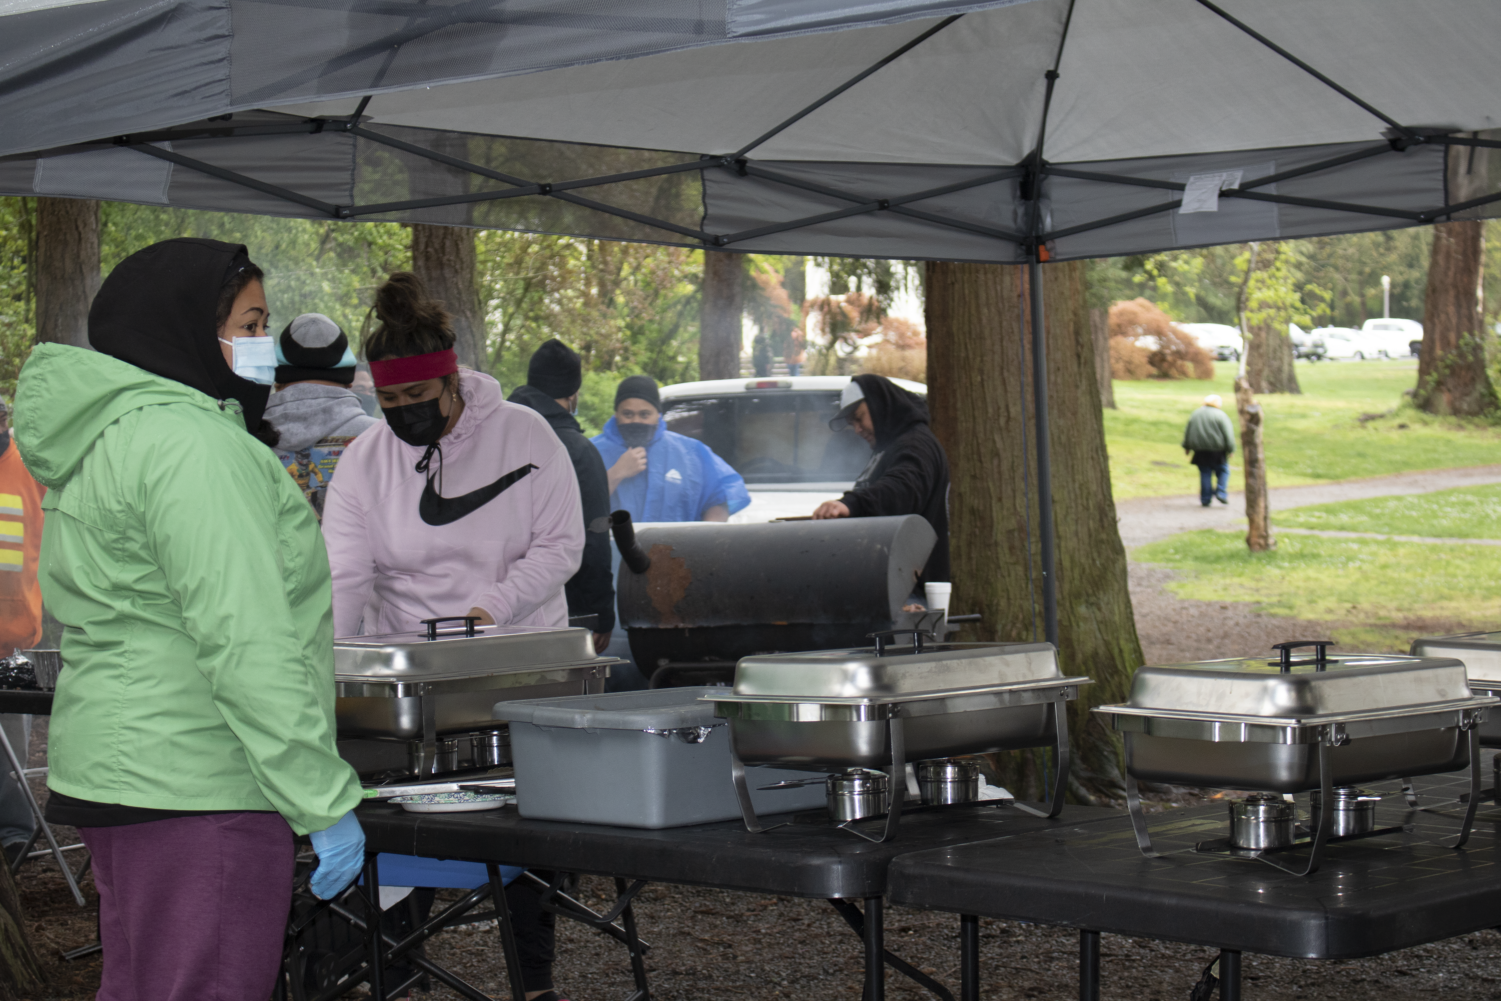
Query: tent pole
{"x": 1044, "y": 460}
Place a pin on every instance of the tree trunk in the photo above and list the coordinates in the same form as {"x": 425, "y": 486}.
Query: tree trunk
{"x": 979, "y": 376}
{"x": 67, "y": 268}
{"x": 20, "y": 970}
{"x": 719, "y": 315}
{"x": 1253, "y": 458}
{"x": 443, "y": 257}
{"x": 1269, "y": 360}
{"x": 1099, "y": 328}
{"x": 1452, "y": 376}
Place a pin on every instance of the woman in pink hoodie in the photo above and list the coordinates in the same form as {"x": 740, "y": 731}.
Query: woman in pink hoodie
{"x": 458, "y": 503}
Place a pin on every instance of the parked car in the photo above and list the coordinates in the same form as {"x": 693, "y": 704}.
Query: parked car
{"x": 775, "y": 433}
{"x": 1306, "y": 344}
{"x": 1394, "y": 337}
{"x": 1219, "y": 339}
{"x": 1344, "y": 343}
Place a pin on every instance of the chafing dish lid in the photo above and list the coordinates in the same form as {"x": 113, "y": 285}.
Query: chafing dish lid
{"x": 1480, "y": 653}
{"x": 492, "y": 649}
{"x": 659, "y": 709}
{"x": 901, "y": 671}
{"x": 1257, "y": 686}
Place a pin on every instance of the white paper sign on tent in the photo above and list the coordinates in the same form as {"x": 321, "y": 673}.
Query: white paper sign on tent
{"x": 1202, "y": 194}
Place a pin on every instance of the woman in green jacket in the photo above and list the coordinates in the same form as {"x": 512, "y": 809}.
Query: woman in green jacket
{"x": 193, "y": 727}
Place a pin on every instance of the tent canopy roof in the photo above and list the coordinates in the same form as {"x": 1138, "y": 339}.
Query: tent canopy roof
{"x": 881, "y": 128}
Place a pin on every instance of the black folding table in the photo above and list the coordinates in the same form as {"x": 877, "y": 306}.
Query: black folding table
{"x": 810, "y": 859}
{"x": 1371, "y": 896}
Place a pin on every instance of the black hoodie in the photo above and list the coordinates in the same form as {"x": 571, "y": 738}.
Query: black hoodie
{"x": 157, "y": 309}
{"x": 591, "y": 591}
{"x": 909, "y": 473}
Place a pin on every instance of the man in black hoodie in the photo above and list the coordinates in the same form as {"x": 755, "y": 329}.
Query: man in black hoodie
{"x": 553, "y": 378}
{"x": 909, "y": 472}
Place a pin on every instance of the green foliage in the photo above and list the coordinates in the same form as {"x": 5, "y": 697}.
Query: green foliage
{"x": 17, "y": 298}
{"x": 311, "y": 267}
{"x": 1313, "y": 438}
{"x": 1462, "y": 513}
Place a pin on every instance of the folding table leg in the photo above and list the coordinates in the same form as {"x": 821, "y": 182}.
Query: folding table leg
{"x": 1089, "y": 965}
{"x": 875, "y": 950}
{"x": 1229, "y": 975}
{"x": 375, "y": 946}
{"x": 633, "y": 944}
{"x": 507, "y": 933}
{"x": 36, "y": 811}
{"x": 969, "y": 957}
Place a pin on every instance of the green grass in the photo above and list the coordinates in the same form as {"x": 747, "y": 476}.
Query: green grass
{"x": 1387, "y": 592}
{"x": 1311, "y": 438}
{"x": 1463, "y": 513}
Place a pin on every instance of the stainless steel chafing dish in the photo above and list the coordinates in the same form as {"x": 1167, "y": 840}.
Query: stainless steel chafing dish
{"x": 1289, "y": 726}
{"x": 1481, "y": 655}
{"x": 884, "y": 706}
{"x": 421, "y": 702}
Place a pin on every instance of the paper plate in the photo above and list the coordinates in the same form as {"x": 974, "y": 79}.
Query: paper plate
{"x": 453, "y": 802}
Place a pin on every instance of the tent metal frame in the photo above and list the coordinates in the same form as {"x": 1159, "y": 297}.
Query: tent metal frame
{"x": 1030, "y": 174}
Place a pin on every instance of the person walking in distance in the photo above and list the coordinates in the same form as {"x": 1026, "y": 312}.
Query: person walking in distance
{"x": 1210, "y": 439}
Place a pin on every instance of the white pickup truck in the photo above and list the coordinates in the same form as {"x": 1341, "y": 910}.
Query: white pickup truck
{"x": 775, "y": 433}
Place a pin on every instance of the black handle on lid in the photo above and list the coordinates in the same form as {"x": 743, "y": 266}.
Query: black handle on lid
{"x": 885, "y": 636}
{"x": 1320, "y": 654}
{"x": 468, "y": 620}
{"x": 625, "y": 541}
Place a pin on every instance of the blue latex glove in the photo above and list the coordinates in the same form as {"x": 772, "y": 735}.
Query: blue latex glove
{"x": 341, "y": 854}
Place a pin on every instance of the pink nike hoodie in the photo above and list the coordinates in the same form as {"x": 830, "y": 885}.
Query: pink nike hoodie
{"x": 510, "y": 555}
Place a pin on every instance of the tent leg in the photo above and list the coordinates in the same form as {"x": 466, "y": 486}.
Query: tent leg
{"x": 1044, "y": 459}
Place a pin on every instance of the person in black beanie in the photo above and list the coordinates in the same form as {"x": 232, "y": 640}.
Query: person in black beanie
{"x": 314, "y": 411}
{"x": 553, "y": 378}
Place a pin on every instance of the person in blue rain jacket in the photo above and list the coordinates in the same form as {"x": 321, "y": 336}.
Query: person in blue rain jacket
{"x": 660, "y": 475}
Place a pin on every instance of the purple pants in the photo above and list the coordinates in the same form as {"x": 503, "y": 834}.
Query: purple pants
{"x": 192, "y": 908}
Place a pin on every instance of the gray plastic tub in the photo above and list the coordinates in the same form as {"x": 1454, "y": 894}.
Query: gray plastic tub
{"x": 637, "y": 759}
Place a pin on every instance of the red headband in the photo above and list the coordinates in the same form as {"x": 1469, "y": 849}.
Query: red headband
{"x": 414, "y": 368}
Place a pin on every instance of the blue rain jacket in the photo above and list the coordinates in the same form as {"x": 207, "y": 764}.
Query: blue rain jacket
{"x": 683, "y": 478}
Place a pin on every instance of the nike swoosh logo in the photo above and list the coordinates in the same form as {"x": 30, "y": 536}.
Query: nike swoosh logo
{"x": 436, "y": 510}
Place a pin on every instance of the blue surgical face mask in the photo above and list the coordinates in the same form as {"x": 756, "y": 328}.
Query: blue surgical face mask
{"x": 254, "y": 358}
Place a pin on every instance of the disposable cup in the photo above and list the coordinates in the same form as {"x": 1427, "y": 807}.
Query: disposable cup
{"x": 938, "y": 596}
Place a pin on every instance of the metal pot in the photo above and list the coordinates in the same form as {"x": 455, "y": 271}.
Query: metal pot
{"x": 948, "y": 780}
{"x": 856, "y": 793}
{"x": 1354, "y": 811}
{"x": 1262, "y": 821}
{"x": 491, "y": 748}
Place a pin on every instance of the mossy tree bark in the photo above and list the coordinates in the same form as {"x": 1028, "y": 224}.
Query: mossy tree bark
{"x": 1269, "y": 360}
{"x": 20, "y": 970}
{"x": 1253, "y": 460}
{"x": 1452, "y": 375}
{"x": 719, "y": 316}
{"x": 444, "y": 258}
{"x": 67, "y": 268}
{"x": 979, "y": 365}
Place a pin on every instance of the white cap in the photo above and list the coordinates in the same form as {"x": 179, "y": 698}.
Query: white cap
{"x": 849, "y": 397}
{"x": 1212, "y": 400}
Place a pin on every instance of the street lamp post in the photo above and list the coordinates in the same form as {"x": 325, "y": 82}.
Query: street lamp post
{"x": 1386, "y": 295}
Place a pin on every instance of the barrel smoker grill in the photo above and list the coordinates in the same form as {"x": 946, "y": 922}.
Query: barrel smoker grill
{"x": 711, "y": 594}
{"x": 1284, "y": 726}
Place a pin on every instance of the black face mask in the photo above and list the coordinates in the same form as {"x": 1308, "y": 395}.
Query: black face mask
{"x": 417, "y": 423}
{"x": 636, "y": 435}
{"x": 4, "y": 440}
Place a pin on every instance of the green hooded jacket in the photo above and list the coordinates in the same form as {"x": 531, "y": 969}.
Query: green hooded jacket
{"x": 1209, "y": 430}
{"x": 192, "y": 582}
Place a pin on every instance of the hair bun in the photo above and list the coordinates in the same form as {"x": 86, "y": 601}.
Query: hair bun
{"x": 411, "y": 322}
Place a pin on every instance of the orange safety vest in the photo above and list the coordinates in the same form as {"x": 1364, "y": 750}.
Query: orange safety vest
{"x": 20, "y": 545}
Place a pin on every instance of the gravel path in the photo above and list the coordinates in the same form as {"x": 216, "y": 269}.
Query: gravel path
{"x": 1151, "y": 519}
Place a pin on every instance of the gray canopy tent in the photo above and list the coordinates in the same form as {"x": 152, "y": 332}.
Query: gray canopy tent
{"x": 1009, "y": 131}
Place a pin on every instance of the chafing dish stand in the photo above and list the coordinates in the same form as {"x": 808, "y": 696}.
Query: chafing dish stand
{"x": 1251, "y": 724}
{"x": 884, "y": 706}
{"x": 1375, "y": 897}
